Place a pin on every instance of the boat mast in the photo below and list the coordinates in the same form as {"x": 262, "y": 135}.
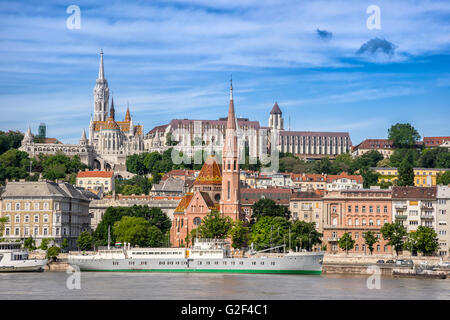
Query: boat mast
{"x": 109, "y": 236}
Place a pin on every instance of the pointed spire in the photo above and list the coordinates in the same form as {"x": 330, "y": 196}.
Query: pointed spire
{"x": 112, "y": 111}
{"x": 231, "y": 121}
{"x": 83, "y": 136}
{"x": 127, "y": 115}
{"x": 101, "y": 71}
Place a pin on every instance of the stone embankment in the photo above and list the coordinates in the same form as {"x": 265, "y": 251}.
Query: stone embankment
{"x": 361, "y": 264}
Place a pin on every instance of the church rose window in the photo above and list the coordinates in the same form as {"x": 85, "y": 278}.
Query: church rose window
{"x": 197, "y": 221}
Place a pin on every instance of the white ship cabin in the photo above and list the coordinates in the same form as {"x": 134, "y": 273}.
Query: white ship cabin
{"x": 209, "y": 249}
{"x": 12, "y": 251}
{"x": 156, "y": 253}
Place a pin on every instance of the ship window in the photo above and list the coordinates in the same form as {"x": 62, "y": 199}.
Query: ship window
{"x": 199, "y": 262}
{"x": 262, "y": 262}
{"x": 253, "y": 263}
{"x": 224, "y": 262}
{"x": 241, "y": 262}
{"x": 217, "y": 262}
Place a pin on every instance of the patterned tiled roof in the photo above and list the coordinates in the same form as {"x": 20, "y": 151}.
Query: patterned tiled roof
{"x": 210, "y": 172}
{"x": 183, "y": 204}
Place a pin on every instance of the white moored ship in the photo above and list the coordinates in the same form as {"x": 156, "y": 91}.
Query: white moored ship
{"x": 207, "y": 255}
{"x": 15, "y": 259}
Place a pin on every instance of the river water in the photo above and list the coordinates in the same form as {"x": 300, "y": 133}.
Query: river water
{"x": 126, "y": 285}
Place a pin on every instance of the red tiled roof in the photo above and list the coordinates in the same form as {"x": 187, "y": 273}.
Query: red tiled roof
{"x": 419, "y": 193}
{"x": 95, "y": 174}
{"x": 434, "y": 141}
{"x": 276, "y": 109}
{"x": 333, "y": 177}
{"x": 375, "y": 144}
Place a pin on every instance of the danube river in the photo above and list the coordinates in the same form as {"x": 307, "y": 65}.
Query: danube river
{"x": 123, "y": 285}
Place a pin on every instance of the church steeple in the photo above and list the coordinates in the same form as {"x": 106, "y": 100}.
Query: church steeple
{"x": 101, "y": 94}
{"x": 127, "y": 115}
{"x": 112, "y": 111}
{"x": 229, "y": 203}
{"x": 101, "y": 70}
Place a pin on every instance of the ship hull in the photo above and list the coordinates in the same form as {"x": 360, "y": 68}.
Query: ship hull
{"x": 25, "y": 266}
{"x": 304, "y": 264}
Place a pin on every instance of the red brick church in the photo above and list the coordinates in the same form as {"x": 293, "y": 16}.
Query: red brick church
{"x": 215, "y": 188}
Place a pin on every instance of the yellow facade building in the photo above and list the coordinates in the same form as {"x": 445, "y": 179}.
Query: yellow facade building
{"x": 423, "y": 177}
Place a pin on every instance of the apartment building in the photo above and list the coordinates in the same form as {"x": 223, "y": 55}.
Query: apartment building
{"x": 414, "y": 206}
{"x": 443, "y": 219}
{"x": 45, "y": 209}
{"x": 356, "y": 212}
{"x": 307, "y": 206}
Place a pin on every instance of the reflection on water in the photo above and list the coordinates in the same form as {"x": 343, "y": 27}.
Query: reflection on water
{"x": 124, "y": 285}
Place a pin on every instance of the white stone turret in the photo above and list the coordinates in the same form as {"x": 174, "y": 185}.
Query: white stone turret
{"x": 83, "y": 140}
{"x": 27, "y": 138}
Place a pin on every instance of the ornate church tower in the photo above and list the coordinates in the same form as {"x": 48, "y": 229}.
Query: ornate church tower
{"x": 101, "y": 94}
{"x": 229, "y": 202}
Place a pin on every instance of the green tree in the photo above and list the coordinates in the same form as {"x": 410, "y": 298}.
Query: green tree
{"x": 399, "y": 155}
{"x": 45, "y": 243}
{"x": 269, "y": 231}
{"x": 65, "y": 244}
{"x": 85, "y": 241}
{"x": 239, "y": 234}
{"x": 304, "y": 235}
{"x": 443, "y": 178}
{"x": 10, "y": 140}
{"x": 370, "y": 239}
{"x": 405, "y": 174}
{"x": 403, "y": 135}
{"x": 395, "y": 234}
{"x": 346, "y": 242}
{"x": 213, "y": 226}
{"x": 268, "y": 207}
{"x": 410, "y": 243}
{"x": 3, "y": 221}
{"x": 133, "y": 230}
{"x": 29, "y": 244}
{"x": 426, "y": 240}
{"x": 53, "y": 252}
{"x": 370, "y": 177}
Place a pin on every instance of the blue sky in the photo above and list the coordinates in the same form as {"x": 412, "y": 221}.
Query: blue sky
{"x": 173, "y": 59}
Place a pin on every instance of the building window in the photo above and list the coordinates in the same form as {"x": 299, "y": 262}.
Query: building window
{"x": 45, "y": 218}
{"x": 27, "y": 218}
{"x": 349, "y": 221}
{"x": 8, "y": 206}
{"x": 363, "y": 222}
{"x": 17, "y": 206}
{"x": 371, "y": 209}
{"x": 45, "y": 231}
{"x": 385, "y": 209}
{"x": 17, "y": 218}
{"x": 45, "y": 205}
{"x": 7, "y": 232}
{"x": 349, "y": 209}
{"x": 356, "y": 209}
{"x": 363, "y": 210}
{"x": 378, "y": 209}
{"x": 16, "y": 231}
{"x": 36, "y": 206}
{"x": 356, "y": 222}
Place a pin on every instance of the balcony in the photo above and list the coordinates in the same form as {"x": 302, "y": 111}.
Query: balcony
{"x": 333, "y": 239}
{"x": 400, "y": 217}
{"x": 426, "y": 216}
{"x": 401, "y": 206}
{"x": 425, "y": 206}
